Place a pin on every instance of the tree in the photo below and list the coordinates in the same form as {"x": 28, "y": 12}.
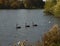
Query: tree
{"x": 27, "y": 3}
{"x": 49, "y": 4}
{"x": 57, "y": 10}
{"x": 33, "y": 3}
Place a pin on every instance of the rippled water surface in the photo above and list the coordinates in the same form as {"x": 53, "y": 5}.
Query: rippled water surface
{"x": 9, "y": 18}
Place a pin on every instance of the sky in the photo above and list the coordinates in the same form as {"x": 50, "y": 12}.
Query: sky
{"x": 44, "y": 0}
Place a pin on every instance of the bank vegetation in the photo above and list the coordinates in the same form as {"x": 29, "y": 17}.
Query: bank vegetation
{"x": 20, "y": 4}
{"x": 52, "y": 7}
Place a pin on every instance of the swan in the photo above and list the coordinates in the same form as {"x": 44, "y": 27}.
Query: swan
{"x": 27, "y": 25}
{"x": 34, "y": 24}
{"x": 17, "y": 26}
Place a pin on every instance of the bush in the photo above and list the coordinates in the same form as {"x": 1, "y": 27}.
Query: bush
{"x": 49, "y": 6}
{"x": 52, "y": 38}
{"x": 57, "y": 10}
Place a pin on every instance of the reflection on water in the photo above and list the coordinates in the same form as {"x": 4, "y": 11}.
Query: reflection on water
{"x": 9, "y": 18}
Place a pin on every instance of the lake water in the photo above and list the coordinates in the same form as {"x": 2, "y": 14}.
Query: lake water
{"x": 9, "y": 18}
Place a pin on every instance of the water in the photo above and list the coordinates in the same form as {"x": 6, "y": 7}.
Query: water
{"x": 9, "y": 18}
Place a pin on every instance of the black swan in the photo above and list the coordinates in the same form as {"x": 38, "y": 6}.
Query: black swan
{"x": 27, "y": 25}
{"x": 34, "y": 25}
{"x": 17, "y": 26}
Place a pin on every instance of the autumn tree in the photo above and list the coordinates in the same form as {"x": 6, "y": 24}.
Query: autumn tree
{"x": 27, "y": 3}
{"x": 49, "y": 4}
{"x": 33, "y": 3}
{"x": 1, "y": 3}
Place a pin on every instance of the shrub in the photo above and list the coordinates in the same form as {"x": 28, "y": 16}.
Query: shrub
{"x": 57, "y": 10}
{"x": 52, "y": 38}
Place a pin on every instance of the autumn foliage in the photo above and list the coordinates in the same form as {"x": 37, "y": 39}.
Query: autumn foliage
{"x": 53, "y": 7}
{"x": 21, "y": 4}
{"x": 52, "y": 37}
